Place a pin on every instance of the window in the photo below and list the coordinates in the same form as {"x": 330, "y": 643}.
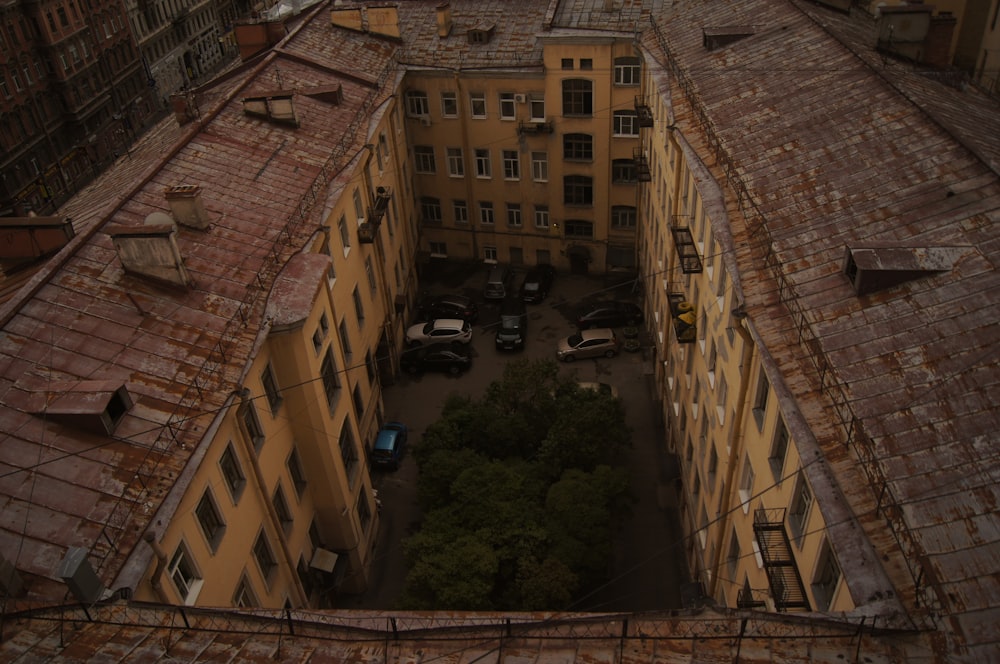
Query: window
{"x": 271, "y": 388}
{"x": 319, "y": 335}
{"x": 536, "y": 107}
{"x": 264, "y": 556}
{"x": 359, "y": 307}
{"x": 586, "y": 64}
{"x": 477, "y": 101}
{"x": 439, "y": 249}
{"x": 461, "y": 212}
{"x": 578, "y": 147}
{"x": 370, "y": 273}
{"x": 760, "y": 400}
{"x": 490, "y": 254}
{"x": 623, "y": 171}
{"x": 243, "y": 596}
{"x": 579, "y": 228}
{"x": 508, "y": 109}
{"x": 578, "y": 190}
{"x": 540, "y": 166}
{"x": 345, "y": 338}
{"x": 210, "y": 521}
{"x": 359, "y": 208}
{"x": 713, "y": 466}
{"x": 304, "y": 576}
{"x": 251, "y": 424}
{"x": 733, "y": 557}
{"x": 345, "y": 234}
{"x": 456, "y": 162}
{"x": 348, "y": 453}
{"x": 364, "y": 511}
{"x": 485, "y": 212}
{"x": 358, "y": 399}
{"x": 423, "y": 155}
{"x": 627, "y": 71}
{"x": 416, "y": 104}
{"x": 626, "y": 123}
{"x": 578, "y": 98}
{"x": 295, "y": 472}
{"x": 827, "y": 577}
{"x": 542, "y": 216}
{"x": 430, "y": 210}
{"x": 331, "y": 383}
{"x": 232, "y": 473}
{"x": 511, "y": 165}
{"x": 483, "y": 169}
{"x": 184, "y": 574}
{"x": 281, "y": 509}
{"x": 449, "y": 104}
{"x": 746, "y": 484}
{"x": 779, "y": 447}
{"x": 798, "y": 512}
{"x": 567, "y": 63}
{"x": 514, "y": 215}
{"x": 370, "y": 366}
{"x": 623, "y": 217}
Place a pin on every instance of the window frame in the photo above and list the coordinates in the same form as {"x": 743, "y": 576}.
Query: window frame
{"x": 232, "y": 472}
{"x": 417, "y": 104}
{"x": 540, "y": 166}
{"x": 210, "y": 521}
{"x": 182, "y": 562}
{"x": 511, "y": 164}
{"x": 578, "y": 190}
{"x": 625, "y": 124}
{"x": 271, "y": 390}
{"x": 578, "y": 146}
{"x": 456, "y": 162}
{"x": 507, "y": 106}
{"x": 484, "y": 168}
{"x": 449, "y": 99}
{"x": 424, "y": 162}
{"x": 477, "y": 106}
{"x": 577, "y": 97}
{"x": 263, "y": 555}
{"x": 627, "y": 71}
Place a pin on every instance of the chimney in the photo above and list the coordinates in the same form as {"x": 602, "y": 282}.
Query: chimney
{"x": 182, "y": 104}
{"x": 444, "y": 19}
{"x": 937, "y": 45}
{"x": 186, "y": 205}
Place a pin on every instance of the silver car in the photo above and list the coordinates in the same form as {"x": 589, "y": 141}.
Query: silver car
{"x": 588, "y": 343}
{"x": 442, "y": 329}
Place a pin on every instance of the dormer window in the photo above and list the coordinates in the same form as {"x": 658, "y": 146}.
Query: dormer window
{"x": 481, "y": 34}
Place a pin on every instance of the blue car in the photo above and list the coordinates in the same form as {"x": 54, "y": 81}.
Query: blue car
{"x": 389, "y": 445}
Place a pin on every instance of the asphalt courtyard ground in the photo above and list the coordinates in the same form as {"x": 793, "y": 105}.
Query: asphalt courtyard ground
{"x": 648, "y": 569}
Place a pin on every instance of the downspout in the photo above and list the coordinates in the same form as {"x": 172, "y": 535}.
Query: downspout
{"x": 737, "y": 440}
{"x": 161, "y": 564}
{"x": 272, "y": 514}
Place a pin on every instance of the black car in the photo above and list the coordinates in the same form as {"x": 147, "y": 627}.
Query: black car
{"x": 513, "y": 327}
{"x": 610, "y": 314}
{"x": 537, "y": 283}
{"x": 449, "y": 358}
{"x": 449, "y": 306}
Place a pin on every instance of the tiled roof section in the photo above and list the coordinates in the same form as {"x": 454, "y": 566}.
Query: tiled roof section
{"x": 514, "y": 43}
{"x": 827, "y": 154}
{"x": 615, "y": 15}
{"x": 118, "y": 633}
{"x": 180, "y": 352}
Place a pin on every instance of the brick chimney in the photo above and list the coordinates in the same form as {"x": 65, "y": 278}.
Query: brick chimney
{"x": 444, "y": 19}
{"x": 937, "y": 45}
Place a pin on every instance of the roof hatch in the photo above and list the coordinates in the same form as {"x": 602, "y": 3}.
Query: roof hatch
{"x": 151, "y": 250}
{"x": 92, "y": 405}
{"x": 872, "y": 269}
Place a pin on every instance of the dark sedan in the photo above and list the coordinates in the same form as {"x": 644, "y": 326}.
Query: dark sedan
{"x": 610, "y": 314}
{"x": 450, "y": 358}
{"x": 449, "y": 306}
{"x": 537, "y": 283}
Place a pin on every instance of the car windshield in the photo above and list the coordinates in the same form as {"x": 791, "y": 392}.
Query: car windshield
{"x": 509, "y": 322}
{"x": 574, "y": 339}
{"x": 429, "y": 327}
{"x": 531, "y": 285}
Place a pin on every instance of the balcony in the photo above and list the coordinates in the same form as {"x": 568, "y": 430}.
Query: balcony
{"x": 644, "y": 113}
{"x": 687, "y": 250}
{"x": 642, "y": 173}
{"x": 535, "y": 127}
{"x": 683, "y": 316}
{"x": 782, "y": 574}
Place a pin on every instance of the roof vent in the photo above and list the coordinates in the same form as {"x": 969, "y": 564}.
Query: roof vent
{"x": 76, "y": 571}
{"x": 713, "y": 38}
{"x": 151, "y": 250}
{"x": 481, "y": 34}
{"x": 186, "y": 206}
{"x": 92, "y": 405}
{"x": 278, "y": 107}
{"x": 872, "y": 269}
{"x": 33, "y": 237}
{"x": 331, "y": 94}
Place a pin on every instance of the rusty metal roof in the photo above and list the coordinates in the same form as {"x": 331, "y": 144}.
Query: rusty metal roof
{"x": 827, "y": 147}
{"x": 178, "y": 352}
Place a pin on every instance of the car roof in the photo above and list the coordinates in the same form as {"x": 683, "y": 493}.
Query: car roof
{"x": 598, "y": 333}
{"x": 448, "y": 322}
{"x": 386, "y": 439}
{"x": 452, "y": 299}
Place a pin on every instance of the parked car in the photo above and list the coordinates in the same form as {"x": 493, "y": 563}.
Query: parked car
{"x": 537, "y": 283}
{"x": 588, "y": 343}
{"x": 449, "y": 306}
{"x": 389, "y": 445}
{"x": 442, "y": 329}
{"x": 610, "y": 314}
{"x": 497, "y": 283}
{"x": 450, "y": 358}
{"x": 513, "y": 326}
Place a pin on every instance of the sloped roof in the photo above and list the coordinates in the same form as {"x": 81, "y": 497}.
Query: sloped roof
{"x": 831, "y": 150}
{"x": 179, "y": 352}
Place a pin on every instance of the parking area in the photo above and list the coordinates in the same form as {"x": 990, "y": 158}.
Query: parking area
{"x": 648, "y": 568}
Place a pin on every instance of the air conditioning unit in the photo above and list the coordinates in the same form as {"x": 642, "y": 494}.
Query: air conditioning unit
{"x": 425, "y": 120}
{"x": 520, "y": 99}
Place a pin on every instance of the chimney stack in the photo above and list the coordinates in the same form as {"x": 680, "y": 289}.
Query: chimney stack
{"x": 444, "y": 19}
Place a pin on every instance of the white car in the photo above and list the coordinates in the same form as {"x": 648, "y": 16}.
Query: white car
{"x": 442, "y": 329}
{"x": 588, "y": 343}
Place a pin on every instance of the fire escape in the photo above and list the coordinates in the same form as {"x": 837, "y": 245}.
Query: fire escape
{"x": 775, "y": 548}
{"x": 376, "y": 211}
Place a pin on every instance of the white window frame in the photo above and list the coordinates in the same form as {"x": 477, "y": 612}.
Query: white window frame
{"x": 483, "y": 167}
{"x": 540, "y": 166}
{"x": 508, "y": 106}
{"x": 456, "y": 162}
{"x": 477, "y": 105}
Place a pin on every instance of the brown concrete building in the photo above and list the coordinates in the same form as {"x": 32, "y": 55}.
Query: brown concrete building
{"x": 815, "y": 230}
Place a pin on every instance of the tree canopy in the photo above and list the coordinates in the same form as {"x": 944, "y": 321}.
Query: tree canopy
{"x": 519, "y": 494}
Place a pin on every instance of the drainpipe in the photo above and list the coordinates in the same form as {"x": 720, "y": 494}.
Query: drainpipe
{"x": 272, "y": 514}
{"x": 161, "y": 564}
{"x": 737, "y": 440}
